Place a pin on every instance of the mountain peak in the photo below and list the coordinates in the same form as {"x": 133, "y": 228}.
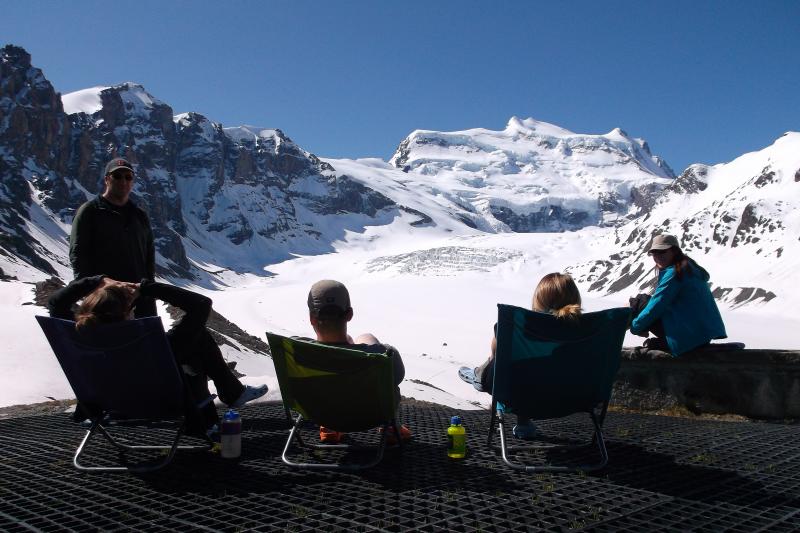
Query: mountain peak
{"x": 15, "y": 54}
{"x": 530, "y": 126}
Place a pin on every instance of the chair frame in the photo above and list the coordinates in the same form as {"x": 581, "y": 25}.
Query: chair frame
{"x": 294, "y": 435}
{"x": 497, "y": 421}
{"x": 101, "y": 420}
{"x": 97, "y": 426}
{"x": 497, "y": 424}
{"x": 297, "y": 422}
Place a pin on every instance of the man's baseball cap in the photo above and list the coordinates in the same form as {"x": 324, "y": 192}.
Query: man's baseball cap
{"x": 116, "y": 164}
{"x": 328, "y": 293}
{"x": 663, "y": 242}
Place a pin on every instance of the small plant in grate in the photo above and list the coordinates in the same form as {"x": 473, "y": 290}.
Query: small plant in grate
{"x": 449, "y": 496}
{"x": 577, "y": 523}
{"x": 623, "y": 432}
{"x": 705, "y": 458}
{"x": 299, "y": 511}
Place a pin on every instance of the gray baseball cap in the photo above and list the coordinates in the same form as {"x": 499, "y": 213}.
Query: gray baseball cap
{"x": 328, "y": 293}
{"x": 663, "y": 242}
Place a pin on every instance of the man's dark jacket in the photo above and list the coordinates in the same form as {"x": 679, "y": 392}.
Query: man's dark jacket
{"x": 116, "y": 242}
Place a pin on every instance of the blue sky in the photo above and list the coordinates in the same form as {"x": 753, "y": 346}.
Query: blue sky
{"x": 702, "y": 81}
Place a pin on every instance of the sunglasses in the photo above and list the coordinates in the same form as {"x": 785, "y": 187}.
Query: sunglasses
{"x": 127, "y": 176}
{"x": 657, "y": 252}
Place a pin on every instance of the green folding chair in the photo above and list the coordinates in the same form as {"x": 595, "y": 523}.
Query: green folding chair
{"x": 340, "y": 388}
{"x": 546, "y": 367}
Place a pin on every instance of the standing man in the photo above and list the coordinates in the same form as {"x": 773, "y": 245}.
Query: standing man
{"x": 111, "y": 235}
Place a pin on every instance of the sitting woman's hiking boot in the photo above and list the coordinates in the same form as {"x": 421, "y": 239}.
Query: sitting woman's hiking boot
{"x": 468, "y": 374}
{"x": 249, "y": 394}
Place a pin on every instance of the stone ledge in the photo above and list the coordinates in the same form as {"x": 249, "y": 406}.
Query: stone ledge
{"x": 763, "y": 384}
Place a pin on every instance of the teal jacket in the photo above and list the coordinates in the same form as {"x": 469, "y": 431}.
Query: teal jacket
{"x": 686, "y": 309}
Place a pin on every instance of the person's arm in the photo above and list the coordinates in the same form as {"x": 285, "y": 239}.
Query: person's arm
{"x": 80, "y": 242}
{"x": 398, "y": 367}
{"x": 196, "y": 306}
{"x": 60, "y": 303}
{"x": 661, "y": 299}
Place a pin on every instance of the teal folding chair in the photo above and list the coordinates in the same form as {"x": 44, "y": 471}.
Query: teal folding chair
{"x": 340, "y": 388}
{"x": 546, "y": 367}
{"x": 124, "y": 374}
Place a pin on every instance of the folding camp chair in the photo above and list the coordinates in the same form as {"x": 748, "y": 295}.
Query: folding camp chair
{"x": 343, "y": 389}
{"x": 123, "y": 374}
{"x": 546, "y": 367}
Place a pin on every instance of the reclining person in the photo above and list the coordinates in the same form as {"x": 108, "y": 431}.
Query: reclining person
{"x": 556, "y": 294}
{"x": 329, "y": 311}
{"x": 106, "y": 301}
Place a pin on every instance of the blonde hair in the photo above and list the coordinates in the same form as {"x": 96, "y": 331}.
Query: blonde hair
{"x": 104, "y": 305}
{"x": 558, "y": 295}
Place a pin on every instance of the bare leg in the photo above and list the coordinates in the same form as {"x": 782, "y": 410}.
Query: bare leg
{"x": 366, "y": 338}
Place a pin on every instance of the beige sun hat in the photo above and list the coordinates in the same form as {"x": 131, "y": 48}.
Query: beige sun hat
{"x": 663, "y": 242}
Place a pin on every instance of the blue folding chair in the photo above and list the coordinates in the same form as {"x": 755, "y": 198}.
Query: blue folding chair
{"x": 546, "y": 367}
{"x": 123, "y": 374}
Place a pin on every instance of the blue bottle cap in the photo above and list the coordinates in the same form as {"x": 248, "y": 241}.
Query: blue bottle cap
{"x": 455, "y": 421}
{"x": 231, "y": 416}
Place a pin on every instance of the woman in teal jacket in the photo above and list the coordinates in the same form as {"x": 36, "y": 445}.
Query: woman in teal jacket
{"x": 682, "y": 301}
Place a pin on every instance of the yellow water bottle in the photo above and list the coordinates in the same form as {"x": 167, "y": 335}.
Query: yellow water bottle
{"x": 456, "y": 439}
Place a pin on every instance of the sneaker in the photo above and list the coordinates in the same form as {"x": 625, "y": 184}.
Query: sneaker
{"x": 468, "y": 374}
{"x": 249, "y": 394}
{"x": 330, "y": 436}
{"x": 213, "y": 434}
{"x": 391, "y": 438}
{"x": 524, "y": 431}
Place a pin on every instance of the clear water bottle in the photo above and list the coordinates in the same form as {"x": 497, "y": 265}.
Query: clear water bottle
{"x": 456, "y": 439}
{"x": 231, "y": 435}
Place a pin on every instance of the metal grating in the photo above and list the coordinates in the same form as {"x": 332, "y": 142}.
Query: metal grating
{"x": 665, "y": 473}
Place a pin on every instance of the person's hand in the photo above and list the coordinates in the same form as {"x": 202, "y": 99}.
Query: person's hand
{"x": 131, "y": 289}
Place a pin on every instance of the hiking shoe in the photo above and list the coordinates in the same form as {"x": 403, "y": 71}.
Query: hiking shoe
{"x": 249, "y": 394}
{"x": 525, "y": 431}
{"x": 213, "y": 434}
{"x": 468, "y": 374}
{"x": 391, "y": 438}
{"x": 330, "y": 436}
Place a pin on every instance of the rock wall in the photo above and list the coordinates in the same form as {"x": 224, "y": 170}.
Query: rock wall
{"x": 762, "y": 384}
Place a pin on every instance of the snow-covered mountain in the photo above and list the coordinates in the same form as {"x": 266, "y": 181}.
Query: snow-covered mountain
{"x": 740, "y": 219}
{"x": 534, "y": 176}
{"x": 236, "y": 199}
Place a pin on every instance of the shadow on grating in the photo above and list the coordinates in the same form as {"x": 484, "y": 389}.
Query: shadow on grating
{"x": 669, "y": 473}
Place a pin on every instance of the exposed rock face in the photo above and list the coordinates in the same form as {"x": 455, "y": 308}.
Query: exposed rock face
{"x": 238, "y": 197}
{"x": 34, "y": 148}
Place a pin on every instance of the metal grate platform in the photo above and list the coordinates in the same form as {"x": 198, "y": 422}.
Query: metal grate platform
{"x": 665, "y": 473}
